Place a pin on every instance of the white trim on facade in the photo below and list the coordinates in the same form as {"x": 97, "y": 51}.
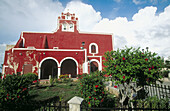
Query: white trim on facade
{"x": 36, "y": 32}
{"x": 58, "y": 26}
{"x": 85, "y": 55}
{"x": 59, "y": 50}
{"x": 101, "y": 63}
{"x": 85, "y": 64}
{"x": 23, "y": 38}
{"x": 97, "y": 49}
{"x": 47, "y": 49}
{"x": 69, "y": 58}
{"x": 113, "y": 42}
{"x": 39, "y": 70}
{"x": 3, "y": 69}
{"x": 94, "y": 56}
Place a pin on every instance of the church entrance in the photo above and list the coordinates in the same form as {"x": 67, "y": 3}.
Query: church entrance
{"x": 49, "y": 67}
{"x": 69, "y": 67}
{"x": 93, "y": 66}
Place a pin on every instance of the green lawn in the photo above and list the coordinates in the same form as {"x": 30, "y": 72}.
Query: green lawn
{"x": 64, "y": 90}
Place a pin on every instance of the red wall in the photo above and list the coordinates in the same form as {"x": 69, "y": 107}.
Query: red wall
{"x": 16, "y": 57}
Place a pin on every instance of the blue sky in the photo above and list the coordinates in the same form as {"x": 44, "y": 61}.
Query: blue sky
{"x": 137, "y": 23}
{"x": 123, "y": 8}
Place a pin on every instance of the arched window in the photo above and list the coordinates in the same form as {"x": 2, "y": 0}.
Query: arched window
{"x": 93, "y": 66}
{"x": 93, "y": 48}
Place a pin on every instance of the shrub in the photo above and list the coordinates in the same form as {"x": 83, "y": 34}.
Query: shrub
{"x": 52, "y": 81}
{"x": 56, "y": 80}
{"x": 30, "y": 78}
{"x": 14, "y": 89}
{"x": 65, "y": 78}
{"x": 92, "y": 88}
{"x": 80, "y": 76}
{"x": 154, "y": 101}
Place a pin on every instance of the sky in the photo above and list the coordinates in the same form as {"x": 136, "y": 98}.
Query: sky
{"x": 136, "y": 23}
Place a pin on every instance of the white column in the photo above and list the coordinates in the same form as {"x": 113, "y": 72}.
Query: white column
{"x": 59, "y": 72}
{"x": 100, "y": 65}
{"x": 85, "y": 67}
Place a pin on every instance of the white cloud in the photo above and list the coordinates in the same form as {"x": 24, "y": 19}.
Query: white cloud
{"x": 147, "y": 29}
{"x": 27, "y": 15}
{"x": 86, "y": 14}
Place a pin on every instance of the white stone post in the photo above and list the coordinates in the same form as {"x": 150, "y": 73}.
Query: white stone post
{"x": 69, "y": 75}
{"x": 49, "y": 77}
{"x": 74, "y": 103}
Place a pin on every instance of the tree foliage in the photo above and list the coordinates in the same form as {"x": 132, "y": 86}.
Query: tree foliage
{"x": 131, "y": 65}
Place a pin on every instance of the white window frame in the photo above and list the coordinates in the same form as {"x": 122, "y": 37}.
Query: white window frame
{"x": 97, "y": 49}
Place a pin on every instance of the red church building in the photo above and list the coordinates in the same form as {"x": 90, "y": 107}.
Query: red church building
{"x": 65, "y": 51}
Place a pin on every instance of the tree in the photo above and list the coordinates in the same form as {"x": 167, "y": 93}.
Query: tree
{"x": 131, "y": 69}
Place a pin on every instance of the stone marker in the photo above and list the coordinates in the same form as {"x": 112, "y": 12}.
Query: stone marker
{"x": 74, "y": 103}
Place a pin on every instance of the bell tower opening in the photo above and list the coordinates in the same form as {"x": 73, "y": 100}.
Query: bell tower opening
{"x": 67, "y": 22}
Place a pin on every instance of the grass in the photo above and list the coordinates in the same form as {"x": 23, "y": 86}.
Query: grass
{"x": 64, "y": 90}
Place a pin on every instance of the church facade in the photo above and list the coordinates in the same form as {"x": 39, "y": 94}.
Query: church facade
{"x": 65, "y": 51}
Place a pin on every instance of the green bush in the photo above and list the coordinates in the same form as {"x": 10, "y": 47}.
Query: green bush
{"x": 14, "y": 89}
{"x": 65, "y": 78}
{"x": 92, "y": 89}
{"x": 52, "y": 81}
{"x": 80, "y": 76}
{"x": 156, "y": 103}
{"x": 30, "y": 77}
